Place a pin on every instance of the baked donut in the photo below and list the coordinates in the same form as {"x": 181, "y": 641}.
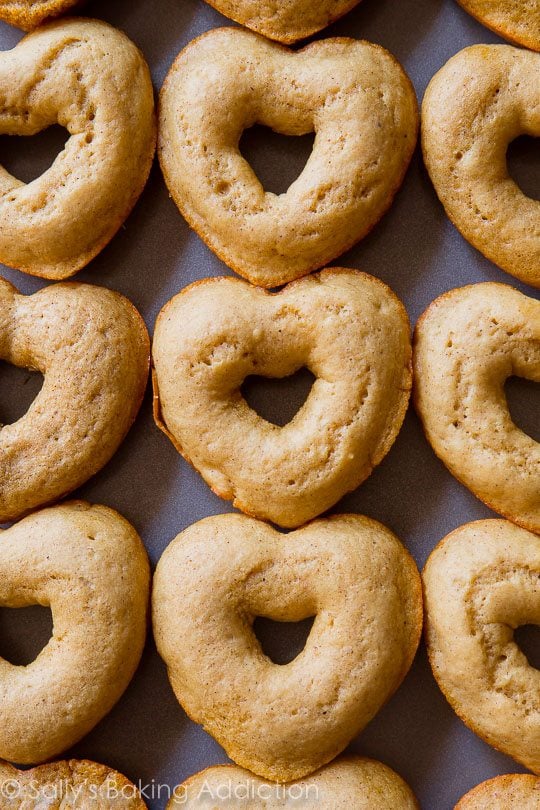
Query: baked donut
{"x": 516, "y": 20}
{"x": 353, "y": 94}
{"x": 467, "y": 344}
{"x": 474, "y": 107}
{"x": 28, "y": 14}
{"x": 284, "y": 722}
{"x": 347, "y": 327}
{"x": 89, "y": 566}
{"x": 91, "y": 79}
{"x": 515, "y": 791}
{"x": 77, "y": 784}
{"x": 480, "y": 584}
{"x": 92, "y": 347}
{"x": 286, "y": 21}
{"x": 351, "y": 781}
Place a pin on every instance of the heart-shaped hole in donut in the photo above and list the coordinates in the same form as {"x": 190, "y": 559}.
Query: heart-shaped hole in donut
{"x": 523, "y": 160}
{"x": 278, "y": 400}
{"x": 527, "y": 638}
{"x": 282, "y": 642}
{"x": 523, "y": 398}
{"x": 27, "y": 157}
{"x": 24, "y": 632}
{"x": 277, "y": 160}
{"x": 19, "y": 387}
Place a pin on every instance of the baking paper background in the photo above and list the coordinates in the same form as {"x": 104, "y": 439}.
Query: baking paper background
{"x": 419, "y": 254}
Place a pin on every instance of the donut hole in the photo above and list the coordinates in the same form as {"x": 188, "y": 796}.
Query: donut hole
{"x": 282, "y": 642}
{"x": 527, "y": 637}
{"x": 27, "y": 157}
{"x": 24, "y": 632}
{"x": 523, "y": 160}
{"x": 276, "y": 159}
{"x": 278, "y": 400}
{"x": 523, "y": 398}
{"x": 21, "y": 387}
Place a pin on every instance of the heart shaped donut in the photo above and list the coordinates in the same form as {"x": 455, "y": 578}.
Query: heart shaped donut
{"x": 467, "y": 344}
{"x": 92, "y": 347}
{"x": 515, "y": 20}
{"x": 286, "y": 21}
{"x": 353, "y": 94}
{"x": 91, "y": 79}
{"x": 351, "y": 781}
{"x": 28, "y": 14}
{"x": 89, "y": 566}
{"x": 515, "y": 791}
{"x": 474, "y": 107}
{"x": 76, "y": 784}
{"x": 284, "y": 722}
{"x": 481, "y": 583}
{"x": 347, "y": 327}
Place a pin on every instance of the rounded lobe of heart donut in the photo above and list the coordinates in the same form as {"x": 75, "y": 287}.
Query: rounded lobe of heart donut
{"x": 347, "y": 327}
{"x": 514, "y": 20}
{"x": 516, "y": 791}
{"x": 284, "y": 722}
{"x": 353, "y": 94}
{"x": 91, "y": 79}
{"x": 92, "y": 347}
{"x": 480, "y": 584}
{"x": 74, "y": 783}
{"x": 349, "y": 781}
{"x": 287, "y": 22}
{"x": 474, "y": 107}
{"x": 467, "y": 344}
{"x": 89, "y": 566}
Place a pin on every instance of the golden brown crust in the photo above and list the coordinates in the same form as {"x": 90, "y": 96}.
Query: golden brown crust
{"x": 515, "y": 20}
{"x": 91, "y": 79}
{"x": 516, "y": 791}
{"x": 349, "y": 571}
{"x": 354, "y": 93}
{"x": 28, "y": 14}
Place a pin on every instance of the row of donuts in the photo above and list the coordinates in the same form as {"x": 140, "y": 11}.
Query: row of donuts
{"x": 91, "y": 79}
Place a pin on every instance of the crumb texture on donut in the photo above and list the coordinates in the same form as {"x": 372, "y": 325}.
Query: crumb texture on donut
{"x": 75, "y": 784}
{"x": 352, "y": 94}
{"x": 516, "y": 20}
{"x": 284, "y": 722}
{"x": 516, "y": 791}
{"x": 474, "y": 107}
{"x": 351, "y": 781}
{"x": 28, "y": 14}
{"x": 481, "y": 583}
{"x": 347, "y": 327}
{"x": 92, "y": 347}
{"x": 286, "y": 21}
{"x": 89, "y": 566}
{"x": 467, "y": 344}
{"x": 91, "y": 79}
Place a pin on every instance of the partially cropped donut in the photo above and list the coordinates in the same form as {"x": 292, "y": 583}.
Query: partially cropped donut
{"x": 514, "y": 791}
{"x": 92, "y": 347}
{"x": 347, "y": 327}
{"x": 481, "y": 583}
{"x": 74, "y": 784}
{"x": 284, "y": 722}
{"x": 474, "y": 107}
{"x": 349, "y": 782}
{"x": 516, "y": 20}
{"x": 89, "y": 566}
{"x": 467, "y": 344}
{"x": 352, "y": 94}
{"x": 91, "y": 79}
{"x": 28, "y": 14}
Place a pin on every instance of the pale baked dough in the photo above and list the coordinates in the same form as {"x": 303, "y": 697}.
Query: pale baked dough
{"x": 92, "y": 347}
{"x": 75, "y": 784}
{"x": 516, "y": 20}
{"x": 351, "y": 782}
{"x": 284, "y": 722}
{"x": 467, "y": 344}
{"x": 353, "y": 94}
{"x": 89, "y": 566}
{"x": 514, "y": 791}
{"x": 480, "y": 584}
{"x": 474, "y": 107}
{"x": 347, "y": 327}
{"x": 91, "y": 79}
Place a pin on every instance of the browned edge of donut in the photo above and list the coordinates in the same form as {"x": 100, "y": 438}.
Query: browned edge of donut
{"x": 505, "y": 781}
{"x": 533, "y": 43}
